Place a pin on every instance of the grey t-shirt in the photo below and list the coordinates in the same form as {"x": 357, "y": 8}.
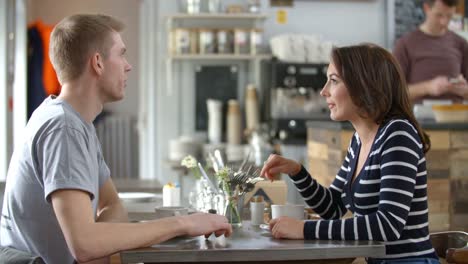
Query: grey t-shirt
{"x": 59, "y": 151}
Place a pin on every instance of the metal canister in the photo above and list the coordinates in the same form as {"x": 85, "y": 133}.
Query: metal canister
{"x": 256, "y": 41}
{"x": 241, "y": 41}
{"x": 224, "y": 41}
{"x": 206, "y": 41}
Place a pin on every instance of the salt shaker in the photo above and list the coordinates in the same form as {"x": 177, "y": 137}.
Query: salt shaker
{"x": 257, "y": 208}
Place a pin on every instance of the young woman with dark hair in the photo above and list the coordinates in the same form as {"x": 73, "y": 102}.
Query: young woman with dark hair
{"x": 383, "y": 179}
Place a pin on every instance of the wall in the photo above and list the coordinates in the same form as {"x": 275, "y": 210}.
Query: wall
{"x": 52, "y": 11}
{"x": 344, "y": 22}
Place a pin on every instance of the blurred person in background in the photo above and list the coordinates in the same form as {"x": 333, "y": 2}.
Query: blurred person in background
{"x": 433, "y": 58}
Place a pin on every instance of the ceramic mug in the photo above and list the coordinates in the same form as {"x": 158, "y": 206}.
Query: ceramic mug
{"x": 290, "y": 210}
{"x": 168, "y": 211}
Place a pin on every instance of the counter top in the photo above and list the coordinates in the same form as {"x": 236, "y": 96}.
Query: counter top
{"x": 137, "y": 185}
{"x": 430, "y": 125}
{"x": 250, "y": 243}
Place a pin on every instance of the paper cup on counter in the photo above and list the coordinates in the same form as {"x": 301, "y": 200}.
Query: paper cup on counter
{"x": 171, "y": 195}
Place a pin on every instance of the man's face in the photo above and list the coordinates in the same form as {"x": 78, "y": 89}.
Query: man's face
{"x": 438, "y": 16}
{"x": 116, "y": 68}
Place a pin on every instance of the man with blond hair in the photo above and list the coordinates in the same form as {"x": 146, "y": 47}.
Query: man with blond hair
{"x": 60, "y": 202}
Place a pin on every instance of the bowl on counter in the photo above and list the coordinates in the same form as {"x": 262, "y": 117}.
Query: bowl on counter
{"x": 455, "y": 113}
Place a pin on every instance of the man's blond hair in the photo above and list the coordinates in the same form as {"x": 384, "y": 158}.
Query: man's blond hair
{"x": 77, "y": 37}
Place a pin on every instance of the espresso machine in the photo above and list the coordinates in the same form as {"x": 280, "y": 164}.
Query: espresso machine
{"x": 293, "y": 98}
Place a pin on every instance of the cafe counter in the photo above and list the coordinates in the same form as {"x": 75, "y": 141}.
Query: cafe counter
{"x": 251, "y": 244}
{"x": 447, "y": 166}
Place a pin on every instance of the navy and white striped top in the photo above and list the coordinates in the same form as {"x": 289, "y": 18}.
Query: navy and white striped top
{"x": 388, "y": 197}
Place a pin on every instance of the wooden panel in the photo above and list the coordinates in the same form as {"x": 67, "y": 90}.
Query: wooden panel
{"x": 336, "y": 156}
{"x": 334, "y": 139}
{"x": 438, "y": 206}
{"x": 458, "y": 139}
{"x": 317, "y": 134}
{"x": 438, "y": 195}
{"x": 322, "y": 171}
{"x": 438, "y": 174}
{"x": 439, "y": 139}
{"x": 459, "y": 222}
{"x": 329, "y": 137}
{"x": 345, "y": 139}
{"x": 459, "y": 190}
{"x": 459, "y": 204}
{"x": 438, "y": 222}
{"x": 317, "y": 150}
{"x": 437, "y": 160}
{"x": 438, "y": 189}
{"x": 459, "y": 169}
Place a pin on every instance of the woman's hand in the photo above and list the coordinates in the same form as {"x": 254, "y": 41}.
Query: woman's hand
{"x": 276, "y": 164}
{"x": 286, "y": 227}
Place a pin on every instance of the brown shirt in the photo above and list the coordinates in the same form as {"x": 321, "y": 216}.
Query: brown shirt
{"x": 423, "y": 57}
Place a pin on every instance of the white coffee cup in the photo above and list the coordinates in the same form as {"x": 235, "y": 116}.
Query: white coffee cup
{"x": 290, "y": 210}
{"x": 168, "y": 211}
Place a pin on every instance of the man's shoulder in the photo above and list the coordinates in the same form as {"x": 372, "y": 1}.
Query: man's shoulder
{"x": 54, "y": 117}
{"x": 457, "y": 38}
{"x": 409, "y": 36}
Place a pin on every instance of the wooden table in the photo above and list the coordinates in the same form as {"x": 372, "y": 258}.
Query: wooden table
{"x": 250, "y": 244}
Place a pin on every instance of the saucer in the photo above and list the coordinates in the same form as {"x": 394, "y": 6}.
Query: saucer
{"x": 265, "y": 227}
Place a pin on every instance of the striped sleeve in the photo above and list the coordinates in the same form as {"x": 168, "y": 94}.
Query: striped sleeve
{"x": 400, "y": 152}
{"x": 327, "y": 202}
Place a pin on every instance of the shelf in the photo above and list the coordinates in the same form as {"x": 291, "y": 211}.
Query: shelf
{"x": 220, "y": 57}
{"x": 217, "y": 16}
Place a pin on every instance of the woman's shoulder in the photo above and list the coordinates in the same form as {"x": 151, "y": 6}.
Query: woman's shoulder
{"x": 398, "y": 124}
{"x": 397, "y": 127}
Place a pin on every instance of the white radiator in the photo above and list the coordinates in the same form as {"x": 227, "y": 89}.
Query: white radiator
{"x": 119, "y": 141}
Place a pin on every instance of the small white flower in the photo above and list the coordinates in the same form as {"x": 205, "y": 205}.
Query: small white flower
{"x": 223, "y": 173}
{"x": 189, "y": 162}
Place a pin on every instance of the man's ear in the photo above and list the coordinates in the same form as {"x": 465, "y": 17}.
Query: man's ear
{"x": 97, "y": 64}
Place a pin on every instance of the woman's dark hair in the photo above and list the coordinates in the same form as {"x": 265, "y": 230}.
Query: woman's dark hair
{"x": 376, "y": 84}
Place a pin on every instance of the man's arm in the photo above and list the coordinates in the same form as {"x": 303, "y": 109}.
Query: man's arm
{"x": 90, "y": 240}
{"x": 110, "y": 208}
{"x": 435, "y": 87}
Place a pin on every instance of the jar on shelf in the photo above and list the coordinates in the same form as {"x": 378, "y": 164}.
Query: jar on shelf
{"x": 241, "y": 41}
{"x": 256, "y": 41}
{"x": 206, "y": 41}
{"x": 183, "y": 41}
{"x": 189, "y": 6}
{"x": 224, "y": 41}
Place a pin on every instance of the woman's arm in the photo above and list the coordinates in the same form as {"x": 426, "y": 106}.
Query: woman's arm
{"x": 398, "y": 167}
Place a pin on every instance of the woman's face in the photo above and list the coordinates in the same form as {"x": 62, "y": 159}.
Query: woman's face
{"x": 338, "y": 99}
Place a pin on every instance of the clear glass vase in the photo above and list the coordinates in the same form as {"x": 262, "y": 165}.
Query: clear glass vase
{"x": 231, "y": 211}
